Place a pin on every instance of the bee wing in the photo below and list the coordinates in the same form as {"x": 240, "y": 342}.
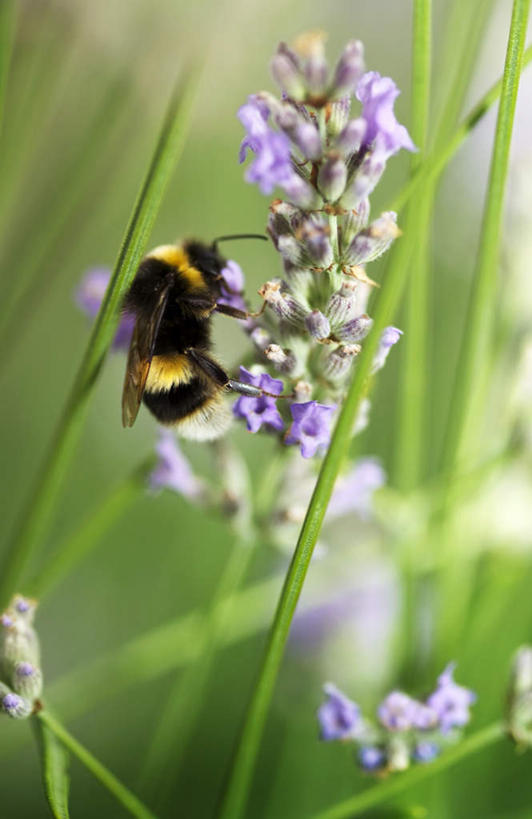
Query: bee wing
{"x": 139, "y": 359}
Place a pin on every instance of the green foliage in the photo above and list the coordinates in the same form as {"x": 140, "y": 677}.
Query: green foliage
{"x": 54, "y": 766}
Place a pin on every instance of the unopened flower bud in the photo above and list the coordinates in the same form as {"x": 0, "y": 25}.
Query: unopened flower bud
{"x": 316, "y": 74}
{"x": 374, "y": 240}
{"x": 318, "y": 325}
{"x": 302, "y": 392}
{"x": 338, "y": 115}
{"x": 342, "y": 304}
{"x": 14, "y": 705}
{"x": 282, "y": 302}
{"x": 27, "y": 680}
{"x": 389, "y": 337}
{"x": 289, "y": 248}
{"x": 349, "y": 69}
{"x": 332, "y": 177}
{"x": 317, "y": 244}
{"x": 284, "y": 67}
{"x": 300, "y": 192}
{"x": 356, "y": 329}
{"x": 354, "y": 222}
{"x": 260, "y": 338}
{"x": 364, "y": 180}
{"x": 339, "y": 361}
{"x": 284, "y": 361}
{"x": 350, "y": 138}
{"x": 303, "y": 132}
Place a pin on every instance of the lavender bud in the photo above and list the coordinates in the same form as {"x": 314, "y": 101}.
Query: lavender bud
{"x": 27, "y": 681}
{"x": 338, "y": 115}
{"x": 364, "y": 180}
{"x": 282, "y": 302}
{"x": 520, "y": 697}
{"x": 389, "y": 337}
{"x": 300, "y": 192}
{"x": 315, "y": 238}
{"x": 349, "y": 69}
{"x": 332, "y": 177}
{"x": 290, "y": 249}
{"x": 342, "y": 304}
{"x": 260, "y": 338}
{"x": 15, "y": 706}
{"x": 356, "y": 329}
{"x": 302, "y": 392}
{"x": 318, "y": 325}
{"x": 284, "y": 361}
{"x": 284, "y": 68}
{"x": 339, "y": 361}
{"x": 350, "y": 138}
{"x": 316, "y": 74}
{"x": 375, "y": 240}
{"x": 355, "y": 221}
{"x": 302, "y": 132}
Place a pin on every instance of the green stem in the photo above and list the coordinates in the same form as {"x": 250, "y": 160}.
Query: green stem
{"x": 436, "y": 162}
{"x": 8, "y": 19}
{"x": 78, "y": 545}
{"x": 109, "y": 781}
{"x": 37, "y": 513}
{"x": 412, "y": 421}
{"x": 478, "y": 326}
{"x": 402, "y": 781}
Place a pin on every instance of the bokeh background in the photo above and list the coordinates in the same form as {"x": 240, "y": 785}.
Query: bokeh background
{"x": 87, "y": 90}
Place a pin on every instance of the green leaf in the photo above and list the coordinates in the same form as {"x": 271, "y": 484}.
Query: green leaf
{"x": 54, "y": 768}
{"x": 41, "y": 503}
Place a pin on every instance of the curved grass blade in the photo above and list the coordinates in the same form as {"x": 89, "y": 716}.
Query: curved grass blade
{"x": 8, "y": 21}
{"x": 54, "y": 768}
{"x": 479, "y": 318}
{"x": 398, "y": 783}
{"x": 109, "y": 781}
{"x": 36, "y": 515}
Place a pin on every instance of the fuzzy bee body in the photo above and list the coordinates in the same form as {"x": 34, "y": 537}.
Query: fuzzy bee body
{"x": 169, "y": 366}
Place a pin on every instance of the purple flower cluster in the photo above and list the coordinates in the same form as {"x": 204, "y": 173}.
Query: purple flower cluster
{"x": 20, "y": 673}
{"x": 406, "y": 728}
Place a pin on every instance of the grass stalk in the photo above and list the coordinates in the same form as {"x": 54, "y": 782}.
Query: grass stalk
{"x": 123, "y": 795}
{"x": 38, "y": 511}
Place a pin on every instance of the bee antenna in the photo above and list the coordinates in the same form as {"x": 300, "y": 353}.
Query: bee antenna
{"x": 239, "y": 236}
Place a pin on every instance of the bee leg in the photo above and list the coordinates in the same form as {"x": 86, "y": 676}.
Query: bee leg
{"x": 245, "y": 389}
{"x": 208, "y": 366}
{"x": 227, "y": 310}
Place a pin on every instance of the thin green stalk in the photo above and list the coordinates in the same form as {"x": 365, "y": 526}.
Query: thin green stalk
{"x": 36, "y": 515}
{"x": 398, "y": 783}
{"x": 77, "y": 546}
{"x": 8, "y": 20}
{"x": 123, "y": 795}
{"x": 437, "y": 160}
{"x": 479, "y": 320}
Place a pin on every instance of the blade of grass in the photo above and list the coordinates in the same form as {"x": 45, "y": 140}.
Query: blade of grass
{"x": 479, "y": 320}
{"x": 398, "y": 783}
{"x": 8, "y": 24}
{"x": 54, "y": 768}
{"x": 412, "y": 416}
{"x": 109, "y": 781}
{"x": 37, "y": 513}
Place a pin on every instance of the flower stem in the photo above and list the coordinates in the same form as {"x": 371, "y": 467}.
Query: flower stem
{"x": 398, "y": 783}
{"x": 109, "y": 781}
{"x": 38, "y": 511}
{"x": 8, "y": 13}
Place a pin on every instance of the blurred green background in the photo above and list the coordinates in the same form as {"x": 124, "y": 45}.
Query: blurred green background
{"x": 87, "y": 89}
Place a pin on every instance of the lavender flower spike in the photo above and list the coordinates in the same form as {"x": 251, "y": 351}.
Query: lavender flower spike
{"x": 173, "y": 471}
{"x": 261, "y": 411}
{"x": 338, "y": 716}
{"x": 311, "y": 427}
{"x": 451, "y": 701}
{"x": 89, "y": 297}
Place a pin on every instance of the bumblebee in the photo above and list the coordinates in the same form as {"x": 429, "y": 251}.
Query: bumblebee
{"x": 169, "y": 367}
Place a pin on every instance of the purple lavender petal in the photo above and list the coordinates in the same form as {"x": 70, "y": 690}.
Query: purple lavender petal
{"x": 451, "y": 701}
{"x": 354, "y": 491}
{"x": 371, "y": 758}
{"x": 377, "y": 95}
{"x": 338, "y": 716}
{"x": 173, "y": 470}
{"x": 311, "y": 427}
{"x": 89, "y": 297}
{"x": 262, "y": 410}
